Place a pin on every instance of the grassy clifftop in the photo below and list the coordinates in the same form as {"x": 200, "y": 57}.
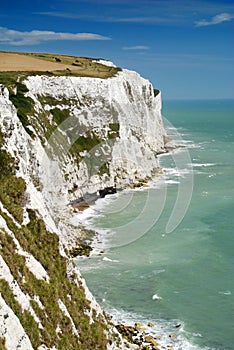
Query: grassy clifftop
{"x": 55, "y": 64}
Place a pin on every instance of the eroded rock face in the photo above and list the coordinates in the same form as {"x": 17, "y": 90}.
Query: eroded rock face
{"x": 117, "y": 120}
{"x": 70, "y": 136}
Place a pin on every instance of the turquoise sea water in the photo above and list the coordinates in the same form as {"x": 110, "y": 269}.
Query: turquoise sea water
{"x": 186, "y": 275}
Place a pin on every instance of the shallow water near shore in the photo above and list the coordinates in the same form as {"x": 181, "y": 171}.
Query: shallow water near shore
{"x": 185, "y": 276}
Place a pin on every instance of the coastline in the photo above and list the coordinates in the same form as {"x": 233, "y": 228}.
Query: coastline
{"x": 90, "y": 206}
{"x": 144, "y": 333}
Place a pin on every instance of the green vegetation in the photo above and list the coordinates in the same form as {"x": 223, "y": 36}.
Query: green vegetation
{"x": 24, "y": 105}
{"x": 25, "y": 108}
{"x": 114, "y": 131}
{"x": 156, "y": 92}
{"x": 85, "y": 142}
{"x": 2, "y": 344}
{"x": 25, "y": 317}
{"x": 12, "y": 188}
{"x": 59, "y": 115}
{"x": 104, "y": 169}
{"x": 44, "y": 246}
{"x": 53, "y": 102}
{"x": 114, "y": 126}
{"x": 17, "y": 90}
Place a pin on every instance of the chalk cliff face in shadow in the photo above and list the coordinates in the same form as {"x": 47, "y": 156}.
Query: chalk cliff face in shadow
{"x": 62, "y": 138}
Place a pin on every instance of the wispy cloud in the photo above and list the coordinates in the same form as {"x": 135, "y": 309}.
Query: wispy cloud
{"x": 96, "y": 18}
{"x": 64, "y": 15}
{"x": 142, "y": 19}
{"x": 222, "y": 17}
{"x": 137, "y": 47}
{"x": 17, "y": 38}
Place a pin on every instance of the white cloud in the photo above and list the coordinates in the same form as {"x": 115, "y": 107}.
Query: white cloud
{"x": 14, "y": 37}
{"x": 222, "y": 17}
{"x": 138, "y": 47}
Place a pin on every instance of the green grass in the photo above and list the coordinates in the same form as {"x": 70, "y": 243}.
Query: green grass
{"x": 26, "y": 319}
{"x": 24, "y": 106}
{"x": 114, "y": 126}
{"x": 12, "y": 188}
{"x": 104, "y": 169}
{"x": 44, "y": 246}
{"x": 113, "y": 133}
{"x": 85, "y": 142}
{"x": 60, "y": 115}
{"x": 53, "y": 102}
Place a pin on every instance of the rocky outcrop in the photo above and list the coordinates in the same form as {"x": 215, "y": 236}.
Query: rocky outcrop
{"x": 63, "y": 138}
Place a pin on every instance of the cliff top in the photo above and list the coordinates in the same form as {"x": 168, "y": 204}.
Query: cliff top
{"x": 56, "y": 64}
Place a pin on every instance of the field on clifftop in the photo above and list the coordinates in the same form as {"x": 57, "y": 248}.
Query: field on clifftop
{"x": 54, "y": 64}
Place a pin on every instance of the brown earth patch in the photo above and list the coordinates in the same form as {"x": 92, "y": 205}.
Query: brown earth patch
{"x": 17, "y": 62}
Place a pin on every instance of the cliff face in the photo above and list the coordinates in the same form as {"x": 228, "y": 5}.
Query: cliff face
{"x": 61, "y": 138}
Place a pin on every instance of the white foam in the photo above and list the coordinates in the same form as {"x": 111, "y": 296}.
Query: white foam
{"x": 226, "y": 292}
{"x": 203, "y": 164}
{"x": 171, "y": 182}
{"x": 177, "y": 172}
{"x": 199, "y": 335}
{"x": 156, "y": 297}
{"x": 108, "y": 259}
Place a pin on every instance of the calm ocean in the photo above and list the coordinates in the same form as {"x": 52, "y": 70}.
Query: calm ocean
{"x": 185, "y": 275}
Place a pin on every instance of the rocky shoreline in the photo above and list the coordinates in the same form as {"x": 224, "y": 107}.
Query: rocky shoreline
{"x": 142, "y": 336}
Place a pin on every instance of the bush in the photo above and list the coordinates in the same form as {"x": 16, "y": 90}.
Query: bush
{"x": 59, "y": 115}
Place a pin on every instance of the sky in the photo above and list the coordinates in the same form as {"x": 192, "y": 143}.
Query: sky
{"x": 185, "y": 47}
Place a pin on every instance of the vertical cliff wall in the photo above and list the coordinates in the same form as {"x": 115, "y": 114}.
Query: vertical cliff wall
{"x": 61, "y": 138}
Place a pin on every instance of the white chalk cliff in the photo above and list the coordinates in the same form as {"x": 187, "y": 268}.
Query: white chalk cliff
{"x": 83, "y": 135}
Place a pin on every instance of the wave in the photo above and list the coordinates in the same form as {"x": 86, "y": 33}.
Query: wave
{"x": 171, "y": 182}
{"x": 110, "y": 260}
{"x": 177, "y": 172}
{"x": 226, "y": 292}
{"x": 197, "y": 165}
{"x": 156, "y": 297}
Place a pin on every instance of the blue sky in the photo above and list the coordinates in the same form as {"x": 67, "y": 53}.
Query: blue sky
{"x": 185, "y": 48}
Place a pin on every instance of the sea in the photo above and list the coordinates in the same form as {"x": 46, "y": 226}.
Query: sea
{"x": 168, "y": 249}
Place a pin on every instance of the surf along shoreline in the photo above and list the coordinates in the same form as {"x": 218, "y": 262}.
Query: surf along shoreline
{"x": 145, "y": 335}
{"x": 86, "y": 206}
